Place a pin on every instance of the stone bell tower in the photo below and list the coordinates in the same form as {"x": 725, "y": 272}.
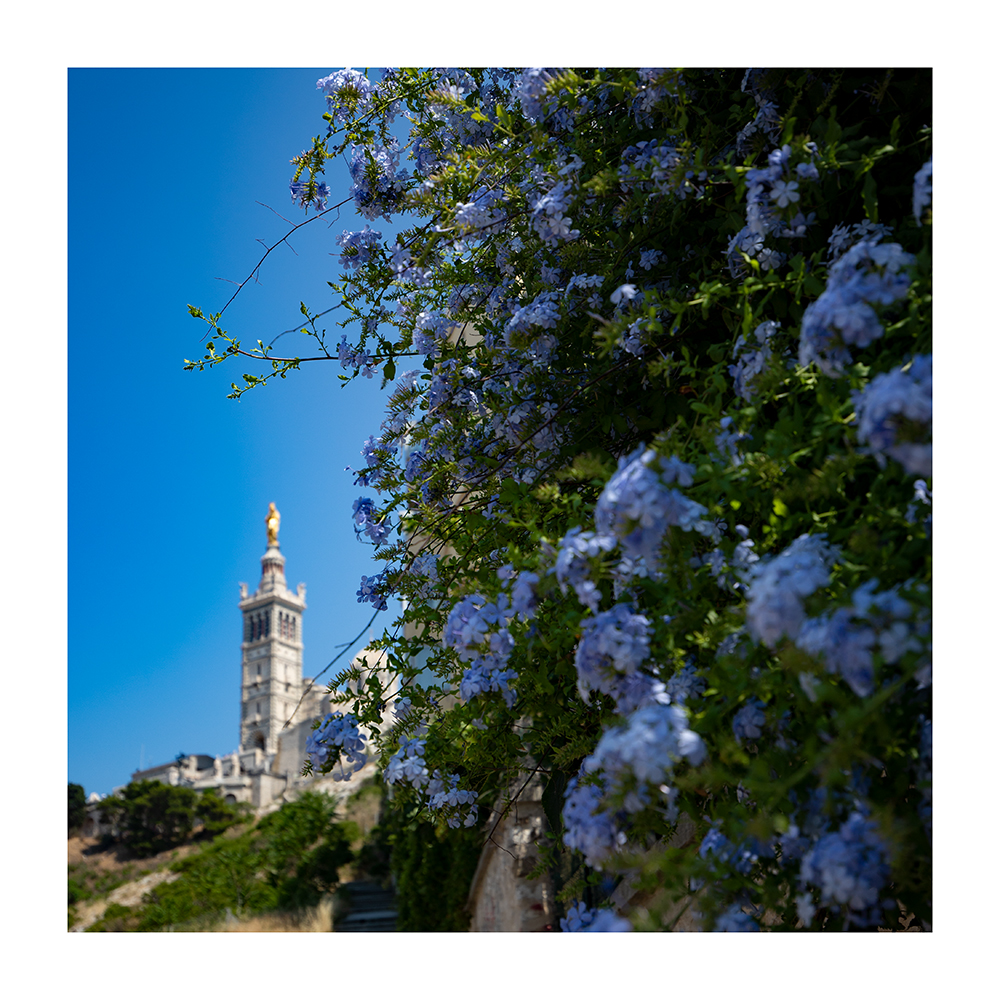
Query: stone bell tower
{"x": 272, "y": 649}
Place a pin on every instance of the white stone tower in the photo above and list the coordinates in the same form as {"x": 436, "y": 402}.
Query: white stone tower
{"x": 272, "y": 649}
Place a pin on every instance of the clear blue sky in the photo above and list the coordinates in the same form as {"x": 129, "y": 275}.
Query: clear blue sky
{"x": 169, "y": 480}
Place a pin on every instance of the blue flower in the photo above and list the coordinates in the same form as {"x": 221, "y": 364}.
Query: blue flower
{"x": 785, "y": 192}
{"x": 922, "y": 190}
{"x": 653, "y": 739}
{"x": 588, "y": 829}
{"x": 308, "y": 193}
{"x": 778, "y": 584}
{"x": 850, "y": 868}
{"x": 358, "y": 246}
{"x": 623, "y": 294}
{"x": 337, "y": 730}
{"x": 637, "y": 507}
{"x": 749, "y": 720}
{"x": 868, "y": 274}
{"x": 734, "y": 920}
{"x": 579, "y": 918}
{"x": 613, "y": 642}
{"x": 607, "y": 922}
{"x": 893, "y": 414}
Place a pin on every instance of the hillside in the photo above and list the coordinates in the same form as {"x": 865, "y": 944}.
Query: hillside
{"x": 108, "y": 883}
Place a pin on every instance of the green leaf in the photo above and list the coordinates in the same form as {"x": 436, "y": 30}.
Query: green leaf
{"x": 869, "y": 195}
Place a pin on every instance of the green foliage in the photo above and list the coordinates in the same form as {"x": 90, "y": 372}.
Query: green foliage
{"x": 496, "y": 489}
{"x": 288, "y": 861}
{"x": 433, "y": 867}
{"x": 115, "y": 920}
{"x": 216, "y": 815}
{"x": 222, "y": 875}
{"x": 87, "y": 882}
{"x": 151, "y": 816}
{"x": 77, "y": 806}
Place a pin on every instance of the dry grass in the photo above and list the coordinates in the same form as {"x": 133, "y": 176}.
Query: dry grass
{"x": 317, "y": 920}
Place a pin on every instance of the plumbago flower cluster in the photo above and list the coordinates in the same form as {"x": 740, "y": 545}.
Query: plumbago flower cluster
{"x": 654, "y": 467}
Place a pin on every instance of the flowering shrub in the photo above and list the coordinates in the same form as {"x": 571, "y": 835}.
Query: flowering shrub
{"x": 648, "y": 493}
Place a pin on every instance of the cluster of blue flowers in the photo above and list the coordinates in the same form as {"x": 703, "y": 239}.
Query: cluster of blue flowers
{"x": 846, "y": 639}
{"x": 749, "y": 721}
{"x": 467, "y": 632}
{"x": 587, "y": 827}
{"x": 308, "y": 193}
{"x": 686, "y": 684}
{"x": 358, "y": 247}
{"x": 767, "y": 121}
{"x": 573, "y": 564}
{"x": 407, "y": 766}
{"x": 360, "y": 360}
{"x": 772, "y": 191}
{"x": 735, "y": 920}
{"x": 337, "y": 737}
{"x": 482, "y": 214}
{"x": 844, "y": 237}
{"x": 894, "y": 413}
{"x": 613, "y": 643}
{"x": 637, "y": 505}
{"x": 730, "y": 571}
{"x": 751, "y": 359}
{"x": 428, "y": 330}
{"x": 379, "y": 182}
{"x": 548, "y": 214}
{"x": 720, "y": 852}
{"x": 778, "y": 585}
{"x": 849, "y": 867}
{"x": 530, "y": 90}
{"x": 643, "y": 752}
{"x": 373, "y": 589}
{"x": 580, "y": 918}
{"x": 366, "y": 522}
{"x": 348, "y": 94}
{"x": 867, "y": 275}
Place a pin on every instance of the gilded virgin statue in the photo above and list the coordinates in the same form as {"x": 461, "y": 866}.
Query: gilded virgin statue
{"x": 273, "y": 523}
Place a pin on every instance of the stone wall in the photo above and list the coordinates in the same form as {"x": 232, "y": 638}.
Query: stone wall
{"x": 502, "y": 897}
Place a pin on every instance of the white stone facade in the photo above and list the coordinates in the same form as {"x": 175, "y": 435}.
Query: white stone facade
{"x": 277, "y": 707}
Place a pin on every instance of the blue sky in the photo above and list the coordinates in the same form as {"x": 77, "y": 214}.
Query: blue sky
{"x": 169, "y": 480}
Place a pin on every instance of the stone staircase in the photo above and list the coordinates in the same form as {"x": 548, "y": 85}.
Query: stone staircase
{"x": 372, "y": 909}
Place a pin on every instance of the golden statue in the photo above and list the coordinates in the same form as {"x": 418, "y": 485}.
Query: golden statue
{"x": 273, "y": 523}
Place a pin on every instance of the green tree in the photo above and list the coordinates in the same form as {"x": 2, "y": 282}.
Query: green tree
{"x": 302, "y": 848}
{"x": 151, "y": 816}
{"x": 77, "y": 806}
{"x": 216, "y": 815}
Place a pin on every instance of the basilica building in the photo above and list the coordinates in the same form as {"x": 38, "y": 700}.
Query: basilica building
{"x": 277, "y": 704}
